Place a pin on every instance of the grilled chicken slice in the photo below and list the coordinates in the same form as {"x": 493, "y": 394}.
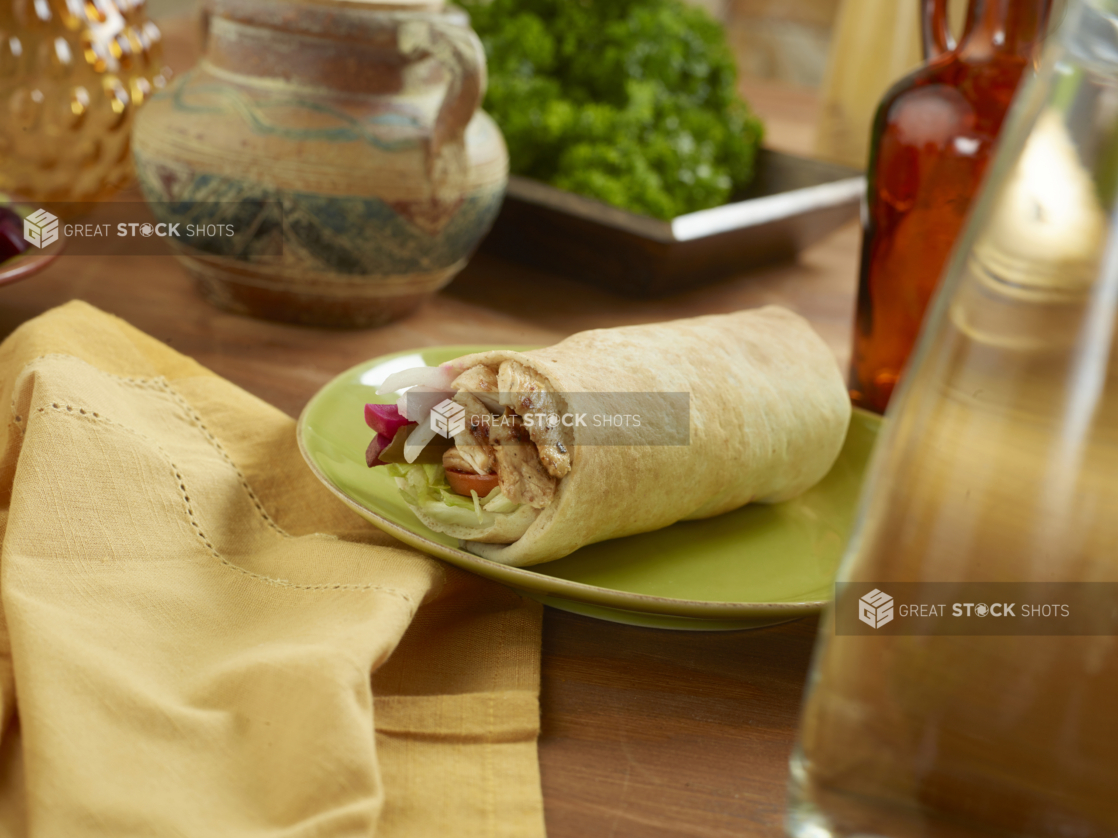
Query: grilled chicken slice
{"x": 481, "y": 381}
{"x": 525, "y": 391}
{"x": 472, "y": 444}
{"x": 454, "y": 461}
{"x": 520, "y": 473}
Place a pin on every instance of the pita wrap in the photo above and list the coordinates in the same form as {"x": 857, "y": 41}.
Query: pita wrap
{"x": 503, "y": 529}
{"x": 768, "y": 414}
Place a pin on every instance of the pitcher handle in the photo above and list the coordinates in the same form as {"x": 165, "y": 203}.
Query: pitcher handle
{"x": 935, "y": 29}
{"x": 459, "y": 50}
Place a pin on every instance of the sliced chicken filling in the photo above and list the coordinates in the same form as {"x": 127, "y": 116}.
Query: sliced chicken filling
{"x": 525, "y": 391}
{"x": 520, "y": 474}
{"x": 528, "y": 459}
{"x": 472, "y": 445}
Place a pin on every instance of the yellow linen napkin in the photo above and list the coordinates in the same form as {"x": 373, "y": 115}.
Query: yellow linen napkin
{"x": 199, "y": 640}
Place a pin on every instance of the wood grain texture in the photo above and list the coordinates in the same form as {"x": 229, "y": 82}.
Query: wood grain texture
{"x": 650, "y": 734}
{"x": 646, "y": 733}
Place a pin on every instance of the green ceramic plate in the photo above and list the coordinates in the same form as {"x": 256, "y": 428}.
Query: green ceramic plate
{"x": 757, "y": 566}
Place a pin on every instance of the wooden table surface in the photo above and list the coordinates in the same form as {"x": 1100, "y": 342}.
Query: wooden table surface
{"x": 645, "y": 732}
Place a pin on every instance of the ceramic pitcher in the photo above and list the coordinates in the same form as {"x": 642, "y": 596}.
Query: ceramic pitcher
{"x": 341, "y": 144}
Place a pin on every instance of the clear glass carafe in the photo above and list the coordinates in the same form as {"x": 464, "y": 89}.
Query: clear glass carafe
{"x": 998, "y": 464}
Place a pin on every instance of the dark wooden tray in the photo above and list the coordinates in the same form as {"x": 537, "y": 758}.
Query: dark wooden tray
{"x": 793, "y": 202}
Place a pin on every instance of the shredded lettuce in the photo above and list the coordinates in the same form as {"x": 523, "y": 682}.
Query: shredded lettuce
{"x": 425, "y": 487}
{"x": 496, "y": 502}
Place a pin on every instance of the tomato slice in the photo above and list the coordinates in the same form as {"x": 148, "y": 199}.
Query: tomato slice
{"x": 461, "y": 482}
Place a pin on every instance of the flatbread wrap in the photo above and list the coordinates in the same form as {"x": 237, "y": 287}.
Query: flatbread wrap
{"x": 764, "y": 415}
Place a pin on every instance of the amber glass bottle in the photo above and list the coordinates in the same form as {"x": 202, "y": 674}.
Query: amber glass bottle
{"x": 932, "y": 139}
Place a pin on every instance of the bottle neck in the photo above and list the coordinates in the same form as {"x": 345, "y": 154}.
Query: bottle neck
{"x": 1004, "y": 27}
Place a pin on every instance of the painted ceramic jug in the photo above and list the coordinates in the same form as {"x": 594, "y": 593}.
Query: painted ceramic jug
{"x": 327, "y": 161}
{"x": 72, "y": 76}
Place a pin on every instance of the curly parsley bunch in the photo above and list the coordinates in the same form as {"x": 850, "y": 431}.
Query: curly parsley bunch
{"x": 631, "y": 102}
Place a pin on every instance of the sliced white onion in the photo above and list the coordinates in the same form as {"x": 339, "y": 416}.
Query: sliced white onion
{"x": 417, "y": 376}
{"x": 417, "y": 441}
{"x": 415, "y": 405}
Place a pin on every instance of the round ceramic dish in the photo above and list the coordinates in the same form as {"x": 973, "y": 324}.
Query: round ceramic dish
{"x": 757, "y": 566}
{"x": 31, "y": 261}
{"x": 24, "y": 265}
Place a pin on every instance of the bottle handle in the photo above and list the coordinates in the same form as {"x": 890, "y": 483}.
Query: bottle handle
{"x": 458, "y": 49}
{"x": 935, "y": 29}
